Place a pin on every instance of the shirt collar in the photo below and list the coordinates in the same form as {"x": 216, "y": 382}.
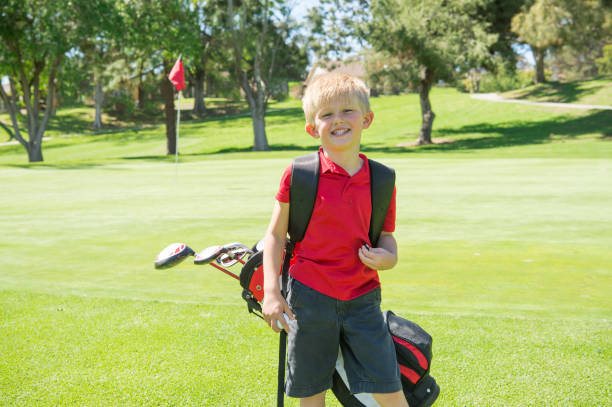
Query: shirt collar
{"x": 328, "y": 165}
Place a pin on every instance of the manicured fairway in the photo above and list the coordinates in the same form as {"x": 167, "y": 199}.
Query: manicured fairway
{"x": 504, "y": 258}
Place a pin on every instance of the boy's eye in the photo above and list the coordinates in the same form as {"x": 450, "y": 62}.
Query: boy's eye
{"x": 326, "y": 115}
{"x": 347, "y": 110}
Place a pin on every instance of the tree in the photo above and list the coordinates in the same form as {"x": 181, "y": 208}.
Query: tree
{"x": 99, "y": 50}
{"x": 159, "y": 32}
{"x": 589, "y": 29}
{"x": 498, "y": 14}
{"x": 208, "y": 27}
{"x": 35, "y": 37}
{"x": 542, "y": 27}
{"x": 573, "y": 30}
{"x": 258, "y": 34}
{"x": 604, "y": 64}
{"x": 428, "y": 42}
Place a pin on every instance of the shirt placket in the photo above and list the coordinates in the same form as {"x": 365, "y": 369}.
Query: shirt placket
{"x": 347, "y": 191}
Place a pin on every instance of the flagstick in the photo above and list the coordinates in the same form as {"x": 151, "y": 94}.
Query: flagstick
{"x": 178, "y": 125}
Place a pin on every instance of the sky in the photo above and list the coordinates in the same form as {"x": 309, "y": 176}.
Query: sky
{"x": 300, "y": 9}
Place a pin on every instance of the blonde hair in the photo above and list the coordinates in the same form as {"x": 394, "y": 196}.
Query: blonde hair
{"x": 327, "y": 87}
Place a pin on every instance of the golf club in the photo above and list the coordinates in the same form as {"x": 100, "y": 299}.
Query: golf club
{"x": 172, "y": 255}
{"x": 217, "y": 256}
{"x": 208, "y": 255}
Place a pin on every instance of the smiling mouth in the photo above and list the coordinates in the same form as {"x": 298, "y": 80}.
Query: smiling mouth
{"x": 339, "y": 132}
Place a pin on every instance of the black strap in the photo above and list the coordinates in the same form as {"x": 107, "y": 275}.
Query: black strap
{"x": 302, "y": 196}
{"x": 382, "y": 183}
{"x": 282, "y": 354}
{"x": 282, "y": 344}
{"x": 303, "y": 193}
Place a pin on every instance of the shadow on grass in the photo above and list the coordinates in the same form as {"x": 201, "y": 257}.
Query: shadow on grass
{"x": 69, "y": 124}
{"x": 517, "y": 133}
{"x": 512, "y": 133}
{"x": 558, "y": 92}
{"x": 477, "y": 136}
{"x": 60, "y": 166}
{"x": 494, "y": 135}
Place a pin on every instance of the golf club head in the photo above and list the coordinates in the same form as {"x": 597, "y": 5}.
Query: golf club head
{"x": 208, "y": 255}
{"x": 172, "y": 255}
{"x": 259, "y": 246}
{"x": 232, "y": 252}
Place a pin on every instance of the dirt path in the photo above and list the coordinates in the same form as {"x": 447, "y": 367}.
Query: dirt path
{"x": 494, "y": 97}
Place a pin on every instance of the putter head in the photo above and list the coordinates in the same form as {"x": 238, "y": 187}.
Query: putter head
{"x": 231, "y": 253}
{"x": 172, "y": 255}
{"x": 208, "y": 255}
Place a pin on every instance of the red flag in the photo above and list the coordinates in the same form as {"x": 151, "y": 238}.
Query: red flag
{"x": 177, "y": 75}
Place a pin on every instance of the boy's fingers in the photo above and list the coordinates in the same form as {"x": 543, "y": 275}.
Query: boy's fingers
{"x": 284, "y": 324}
{"x": 289, "y": 313}
{"x": 365, "y": 255}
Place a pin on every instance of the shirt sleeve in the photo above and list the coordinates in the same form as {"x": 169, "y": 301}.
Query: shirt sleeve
{"x": 285, "y": 186}
{"x": 389, "y": 224}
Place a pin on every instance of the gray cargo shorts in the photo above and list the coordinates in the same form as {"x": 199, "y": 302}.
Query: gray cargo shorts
{"x": 322, "y": 325}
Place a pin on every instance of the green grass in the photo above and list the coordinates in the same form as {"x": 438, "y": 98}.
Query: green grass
{"x": 591, "y": 92}
{"x": 475, "y": 127}
{"x": 504, "y": 240}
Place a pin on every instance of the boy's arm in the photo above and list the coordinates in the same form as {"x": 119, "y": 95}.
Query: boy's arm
{"x": 273, "y": 303}
{"x": 384, "y": 256}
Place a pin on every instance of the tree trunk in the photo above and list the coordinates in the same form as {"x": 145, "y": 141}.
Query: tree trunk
{"x": 141, "y": 96}
{"x": 141, "y": 88}
{"x": 260, "y": 142}
{"x": 167, "y": 91}
{"x": 199, "y": 106}
{"x": 538, "y": 55}
{"x": 426, "y": 112}
{"x": 254, "y": 89}
{"x": 35, "y": 151}
{"x": 98, "y": 101}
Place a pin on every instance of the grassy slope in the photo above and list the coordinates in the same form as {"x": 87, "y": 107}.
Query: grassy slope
{"x": 591, "y": 92}
{"x": 504, "y": 245}
{"x": 478, "y": 128}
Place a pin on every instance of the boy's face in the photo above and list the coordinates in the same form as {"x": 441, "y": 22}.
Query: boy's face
{"x": 339, "y": 124}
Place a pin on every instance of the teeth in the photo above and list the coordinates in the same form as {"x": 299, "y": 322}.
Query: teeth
{"x": 339, "y": 132}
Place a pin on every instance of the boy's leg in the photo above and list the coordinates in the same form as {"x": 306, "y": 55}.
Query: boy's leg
{"x": 312, "y": 344}
{"x": 318, "y": 400}
{"x": 396, "y": 399}
{"x": 368, "y": 349}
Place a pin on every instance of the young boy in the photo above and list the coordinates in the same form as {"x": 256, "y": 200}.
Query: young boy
{"x": 334, "y": 290}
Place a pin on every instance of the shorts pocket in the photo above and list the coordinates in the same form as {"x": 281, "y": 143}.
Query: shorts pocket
{"x": 294, "y": 292}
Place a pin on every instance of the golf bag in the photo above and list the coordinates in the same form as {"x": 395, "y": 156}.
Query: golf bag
{"x": 412, "y": 346}
{"x": 413, "y": 350}
{"x": 412, "y": 343}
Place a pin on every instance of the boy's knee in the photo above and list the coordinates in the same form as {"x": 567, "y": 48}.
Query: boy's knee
{"x": 396, "y": 399}
{"x": 318, "y": 400}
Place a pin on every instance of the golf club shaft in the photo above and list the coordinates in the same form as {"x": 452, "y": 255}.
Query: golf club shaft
{"x": 229, "y": 273}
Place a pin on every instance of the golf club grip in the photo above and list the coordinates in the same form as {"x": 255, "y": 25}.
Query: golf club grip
{"x": 278, "y": 323}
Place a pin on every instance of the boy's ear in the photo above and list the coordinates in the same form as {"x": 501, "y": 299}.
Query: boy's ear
{"x": 310, "y": 129}
{"x": 367, "y": 119}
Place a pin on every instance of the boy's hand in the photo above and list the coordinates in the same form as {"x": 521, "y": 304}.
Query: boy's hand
{"x": 377, "y": 258}
{"x": 274, "y": 305}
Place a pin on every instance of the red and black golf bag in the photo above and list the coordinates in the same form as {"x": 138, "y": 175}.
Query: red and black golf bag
{"x": 412, "y": 343}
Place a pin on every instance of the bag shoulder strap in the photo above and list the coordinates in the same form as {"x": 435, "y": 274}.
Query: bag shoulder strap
{"x": 302, "y": 196}
{"x": 382, "y": 183}
{"x": 303, "y": 193}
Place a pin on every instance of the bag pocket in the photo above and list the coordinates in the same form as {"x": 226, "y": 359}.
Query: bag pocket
{"x": 412, "y": 347}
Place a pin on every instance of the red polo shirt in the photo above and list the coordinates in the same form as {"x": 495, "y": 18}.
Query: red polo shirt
{"x": 327, "y": 258}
